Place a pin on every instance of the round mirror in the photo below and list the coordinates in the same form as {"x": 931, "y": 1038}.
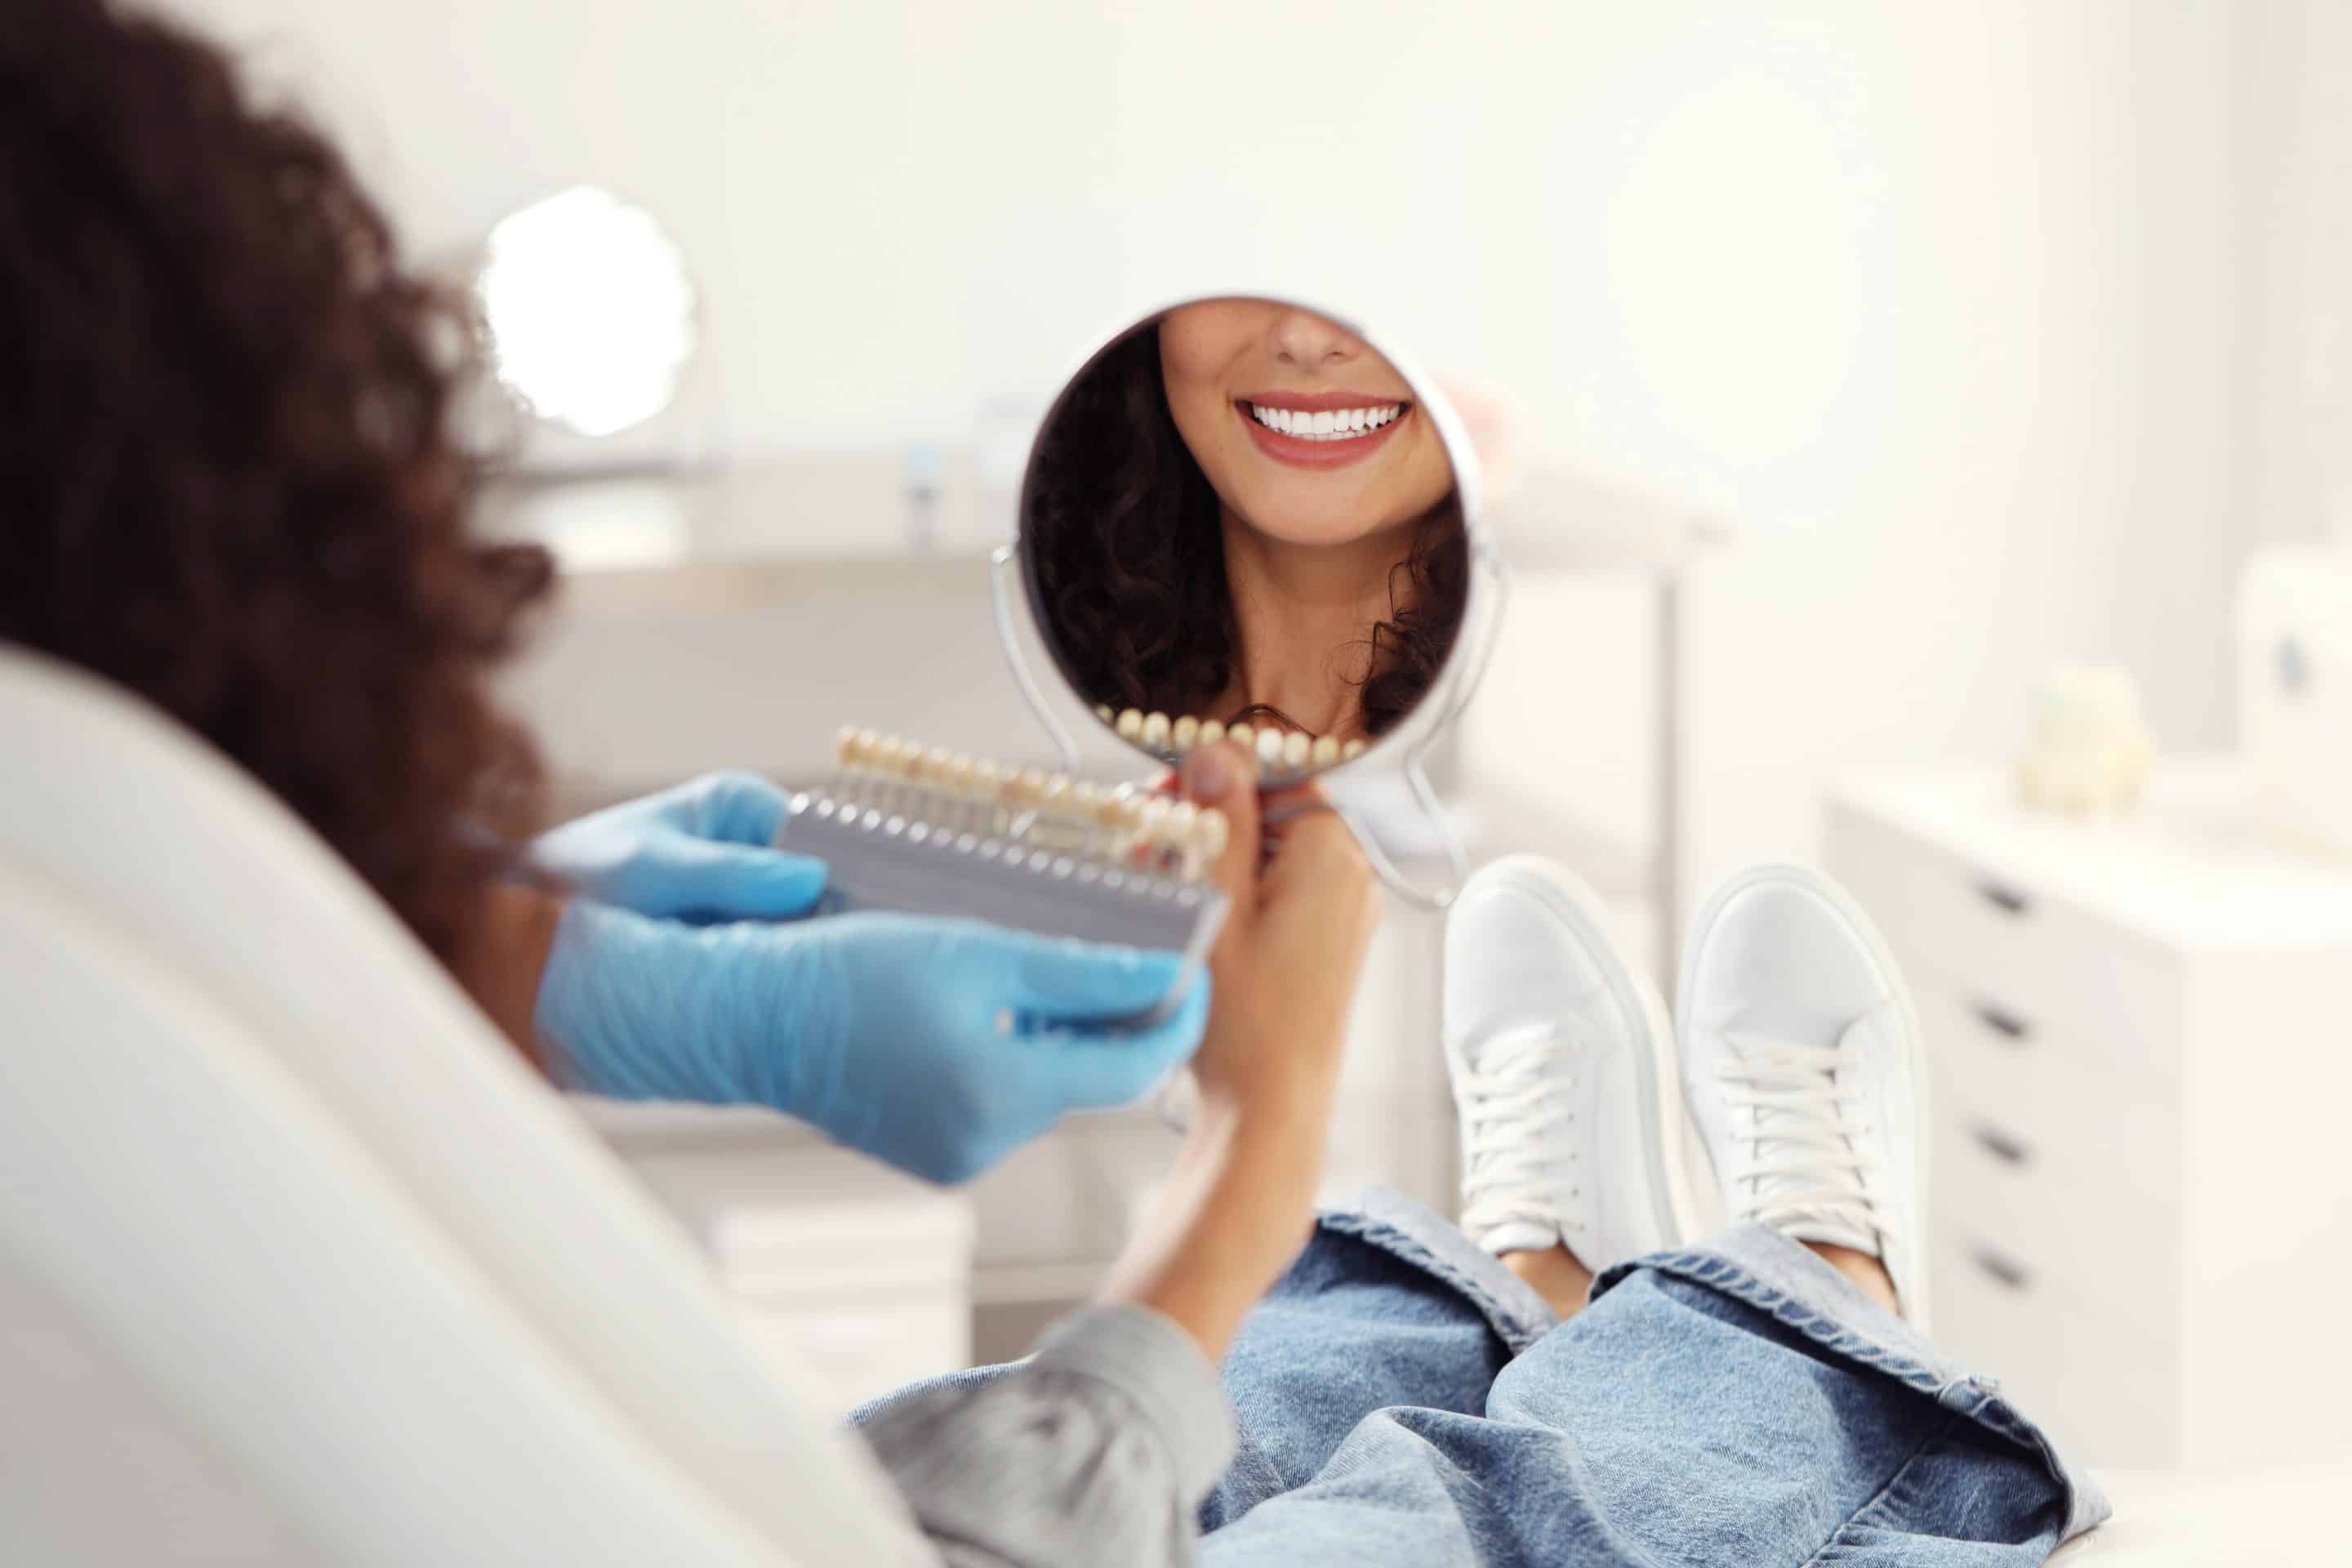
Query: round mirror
{"x": 1243, "y": 519}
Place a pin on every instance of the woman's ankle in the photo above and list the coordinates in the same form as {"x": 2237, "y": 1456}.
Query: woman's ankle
{"x": 1563, "y": 1282}
{"x": 1866, "y": 1270}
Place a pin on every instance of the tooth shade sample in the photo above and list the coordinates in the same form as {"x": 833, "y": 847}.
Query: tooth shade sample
{"x": 1241, "y": 735}
{"x": 1296, "y": 746}
{"x": 1104, "y": 713}
{"x": 1352, "y": 751}
{"x": 1155, "y": 731}
{"x": 1130, "y": 725}
{"x": 1212, "y": 731}
{"x": 1214, "y": 832}
{"x": 1184, "y": 731}
{"x": 1269, "y": 746}
{"x": 1327, "y": 751}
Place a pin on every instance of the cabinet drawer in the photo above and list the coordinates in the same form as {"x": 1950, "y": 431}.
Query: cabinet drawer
{"x": 2098, "y": 1230}
{"x": 2098, "y": 1378}
{"x": 2028, "y": 1106}
{"x": 1997, "y": 940}
{"x": 2097, "y": 1238}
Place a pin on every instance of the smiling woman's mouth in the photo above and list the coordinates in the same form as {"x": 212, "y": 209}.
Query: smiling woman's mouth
{"x": 1330, "y": 433}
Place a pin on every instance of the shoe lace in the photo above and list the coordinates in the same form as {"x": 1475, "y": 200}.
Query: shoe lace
{"x": 1516, "y": 1111}
{"x": 1811, "y": 1156}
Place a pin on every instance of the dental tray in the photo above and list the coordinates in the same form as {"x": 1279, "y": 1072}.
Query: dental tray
{"x": 928, "y": 831}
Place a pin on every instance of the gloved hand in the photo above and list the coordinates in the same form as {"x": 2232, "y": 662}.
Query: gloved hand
{"x": 700, "y": 852}
{"x": 937, "y": 1045}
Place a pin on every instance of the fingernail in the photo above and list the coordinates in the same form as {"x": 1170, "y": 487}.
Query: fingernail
{"x": 1210, "y": 774}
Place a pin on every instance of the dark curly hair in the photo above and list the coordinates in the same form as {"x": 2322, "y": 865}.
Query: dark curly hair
{"x": 1127, "y": 560}
{"x": 225, "y": 448}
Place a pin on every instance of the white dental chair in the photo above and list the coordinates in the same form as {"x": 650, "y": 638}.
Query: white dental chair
{"x": 298, "y": 1262}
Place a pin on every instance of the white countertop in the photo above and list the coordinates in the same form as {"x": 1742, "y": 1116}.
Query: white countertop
{"x": 2188, "y": 864}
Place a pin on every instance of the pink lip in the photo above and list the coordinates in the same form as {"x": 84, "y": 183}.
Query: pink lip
{"x": 1301, "y": 453}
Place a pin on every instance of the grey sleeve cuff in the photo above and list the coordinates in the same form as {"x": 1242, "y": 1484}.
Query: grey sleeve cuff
{"x": 1153, "y": 1362}
{"x": 1099, "y": 1449}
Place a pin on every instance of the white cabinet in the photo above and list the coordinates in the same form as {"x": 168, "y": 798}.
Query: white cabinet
{"x": 2139, "y": 1034}
{"x": 859, "y": 1274}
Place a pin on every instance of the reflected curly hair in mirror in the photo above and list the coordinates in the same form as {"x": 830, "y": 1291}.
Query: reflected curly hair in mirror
{"x": 1123, "y": 532}
{"x": 224, "y": 444}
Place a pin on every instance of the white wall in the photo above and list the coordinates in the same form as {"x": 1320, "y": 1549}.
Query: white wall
{"x": 2297, "y": 310}
{"x": 1933, "y": 300}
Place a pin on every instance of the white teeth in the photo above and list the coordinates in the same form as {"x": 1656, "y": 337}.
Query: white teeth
{"x": 1342, "y": 425}
{"x": 1327, "y": 751}
{"x": 1296, "y": 749}
{"x": 1155, "y": 731}
{"x": 1130, "y": 725}
{"x": 1184, "y": 732}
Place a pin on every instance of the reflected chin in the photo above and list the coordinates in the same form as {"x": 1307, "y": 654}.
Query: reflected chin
{"x": 1311, "y": 532}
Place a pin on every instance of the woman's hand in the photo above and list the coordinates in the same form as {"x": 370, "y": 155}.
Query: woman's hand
{"x": 1286, "y": 962}
{"x": 1235, "y": 1210}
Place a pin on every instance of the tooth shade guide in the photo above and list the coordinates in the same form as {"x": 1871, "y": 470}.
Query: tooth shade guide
{"x": 932, "y": 790}
{"x": 909, "y": 830}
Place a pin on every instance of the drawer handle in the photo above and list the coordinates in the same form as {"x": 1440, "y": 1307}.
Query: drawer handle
{"x": 2003, "y": 1022}
{"x": 2003, "y": 1270}
{"x": 2004, "y": 897}
{"x": 2006, "y": 1147}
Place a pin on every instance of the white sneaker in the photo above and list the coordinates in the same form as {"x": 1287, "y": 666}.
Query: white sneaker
{"x": 1562, "y": 1063}
{"x": 1801, "y": 1065}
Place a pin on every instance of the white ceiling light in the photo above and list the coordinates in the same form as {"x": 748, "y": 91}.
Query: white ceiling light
{"x": 590, "y": 312}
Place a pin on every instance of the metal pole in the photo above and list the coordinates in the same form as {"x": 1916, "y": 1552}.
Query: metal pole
{"x": 1666, "y": 854}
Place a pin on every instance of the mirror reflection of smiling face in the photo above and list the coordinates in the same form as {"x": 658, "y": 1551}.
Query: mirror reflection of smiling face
{"x": 1238, "y": 513}
{"x": 1307, "y": 435}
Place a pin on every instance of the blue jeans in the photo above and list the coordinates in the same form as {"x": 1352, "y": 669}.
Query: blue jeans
{"x": 1404, "y": 1398}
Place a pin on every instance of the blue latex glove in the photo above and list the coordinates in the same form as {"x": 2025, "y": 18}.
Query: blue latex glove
{"x": 701, "y": 851}
{"x": 937, "y": 1045}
